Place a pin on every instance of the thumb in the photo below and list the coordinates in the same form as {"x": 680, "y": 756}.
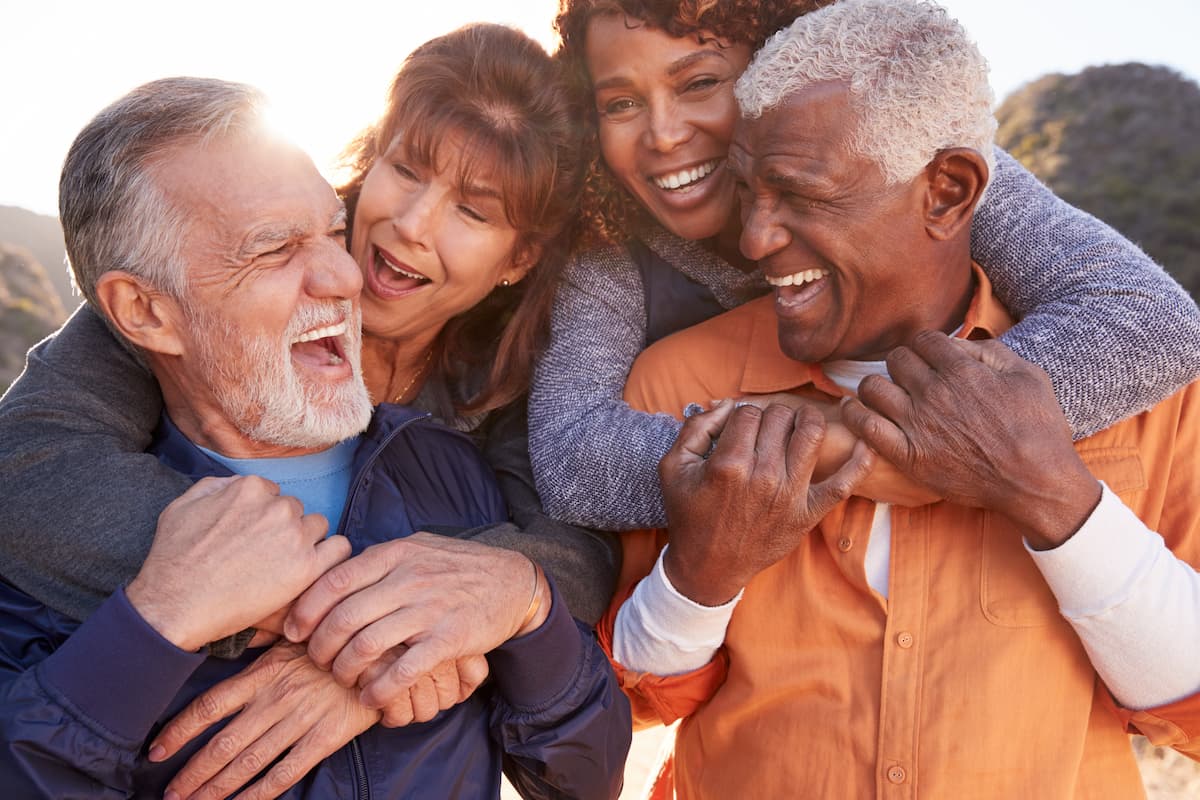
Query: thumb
{"x": 206, "y": 487}
{"x": 419, "y": 659}
{"x": 331, "y": 551}
{"x": 701, "y": 430}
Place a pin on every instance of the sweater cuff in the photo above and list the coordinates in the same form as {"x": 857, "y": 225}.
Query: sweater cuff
{"x": 118, "y": 671}
{"x": 533, "y": 670}
{"x": 1098, "y": 567}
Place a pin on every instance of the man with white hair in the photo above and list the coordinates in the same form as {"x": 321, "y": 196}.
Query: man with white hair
{"x": 216, "y": 252}
{"x": 999, "y": 644}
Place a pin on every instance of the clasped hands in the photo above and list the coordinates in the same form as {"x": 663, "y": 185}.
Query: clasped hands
{"x": 394, "y": 635}
{"x": 963, "y": 420}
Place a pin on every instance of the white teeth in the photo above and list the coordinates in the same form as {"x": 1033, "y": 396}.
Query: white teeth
{"x": 321, "y": 333}
{"x": 685, "y": 176}
{"x": 398, "y": 270}
{"x": 797, "y": 278}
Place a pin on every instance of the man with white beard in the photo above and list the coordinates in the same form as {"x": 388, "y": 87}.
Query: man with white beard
{"x": 216, "y": 252}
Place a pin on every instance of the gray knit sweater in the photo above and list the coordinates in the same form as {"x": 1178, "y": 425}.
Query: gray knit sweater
{"x": 1115, "y": 333}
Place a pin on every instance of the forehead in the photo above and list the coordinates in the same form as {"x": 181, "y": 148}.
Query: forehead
{"x": 813, "y": 126}
{"x": 230, "y": 187}
{"x": 618, "y": 47}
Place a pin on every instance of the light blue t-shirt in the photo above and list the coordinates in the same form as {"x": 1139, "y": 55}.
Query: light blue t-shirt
{"x": 321, "y": 481}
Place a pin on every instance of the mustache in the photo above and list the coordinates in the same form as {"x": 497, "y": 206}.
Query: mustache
{"x": 318, "y": 316}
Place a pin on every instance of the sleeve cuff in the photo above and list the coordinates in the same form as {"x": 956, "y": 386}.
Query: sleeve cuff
{"x": 118, "y": 671}
{"x": 1098, "y": 567}
{"x": 661, "y": 631}
{"x": 535, "y": 669}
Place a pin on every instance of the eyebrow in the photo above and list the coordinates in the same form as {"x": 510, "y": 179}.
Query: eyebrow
{"x": 674, "y": 68}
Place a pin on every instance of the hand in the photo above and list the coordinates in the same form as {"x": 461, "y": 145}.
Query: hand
{"x": 747, "y": 505}
{"x": 287, "y": 705}
{"x": 981, "y": 427}
{"x": 227, "y": 553}
{"x": 443, "y": 598}
{"x": 447, "y": 685}
{"x": 883, "y": 484}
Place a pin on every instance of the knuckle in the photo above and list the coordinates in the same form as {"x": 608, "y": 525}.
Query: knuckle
{"x": 208, "y": 708}
{"x": 282, "y": 775}
{"x": 225, "y": 746}
{"x": 365, "y": 645}
{"x": 250, "y": 762}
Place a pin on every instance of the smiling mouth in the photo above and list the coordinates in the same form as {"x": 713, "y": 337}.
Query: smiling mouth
{"x": 685, "y": 178}
{"x": 797, "y": 278}
{"x": 322, "y": 346}
{"x": 394, "y": 276}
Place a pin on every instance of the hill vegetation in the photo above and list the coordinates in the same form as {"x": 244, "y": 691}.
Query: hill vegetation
{"x": 29, "y": 309}
{"x": 1123, "y": 143}
{"x": 42, "y": 236}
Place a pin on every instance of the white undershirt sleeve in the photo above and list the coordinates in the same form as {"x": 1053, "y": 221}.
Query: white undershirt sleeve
{"x": 660, "y": 631}
{"x": 1134, "y": 604}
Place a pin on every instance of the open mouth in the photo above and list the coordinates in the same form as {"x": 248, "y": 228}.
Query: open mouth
{"x": 797, "y": 278}
{"x": 685, "y": 178}
{"x": 321, "y": 347}
{"x": 795, "y": 291}
{"x": 395, "y": 276}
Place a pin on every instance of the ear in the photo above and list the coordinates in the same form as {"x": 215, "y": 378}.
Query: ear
{"x": 145, "y": 316}
{"x": 527, "y": 256}
{"x": 955, "y": 179}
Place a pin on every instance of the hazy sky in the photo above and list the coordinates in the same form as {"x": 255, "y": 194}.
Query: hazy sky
{"x": 62, "y": 62}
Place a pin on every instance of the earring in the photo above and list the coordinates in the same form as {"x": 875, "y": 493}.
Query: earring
{"x": 505, "y": 282}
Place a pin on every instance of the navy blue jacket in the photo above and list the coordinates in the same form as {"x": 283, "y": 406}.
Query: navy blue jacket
{"x": 79, "y": 702}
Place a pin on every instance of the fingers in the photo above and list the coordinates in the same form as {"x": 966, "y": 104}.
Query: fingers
{"x": 331, "y": 550}
{"x": 807, "y": 431}
{"x": 304, "y": 756}
{"x": 402, "y": 674}
{"x": 208, "y": 486}
{"x": 472, "y": 672}
{"x": 700, "y": 431}
{"x": 202, "y": 713}
{"x": 837, "y": 487}
{"x": 372, "y": 640}
{"x": 227, "y": 762}
{"x": 337, "y": 583}
{"x": 991, "y": 353}
{"x": 877, "y": 429}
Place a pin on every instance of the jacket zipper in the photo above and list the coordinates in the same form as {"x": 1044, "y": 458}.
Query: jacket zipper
{"x": 366, "y": 467}
{"x": 358, "y": 766}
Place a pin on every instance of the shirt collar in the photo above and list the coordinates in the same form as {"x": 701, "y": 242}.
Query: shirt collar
{"x": 768, "y": 370}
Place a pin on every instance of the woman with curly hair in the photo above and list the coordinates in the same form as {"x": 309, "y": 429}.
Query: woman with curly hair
{"x": 660, "y": 252}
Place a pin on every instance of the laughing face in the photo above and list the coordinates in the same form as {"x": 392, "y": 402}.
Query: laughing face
{"x": 666, "y": 115}
{"x": 429, "y": 245}
{"x": 269, "y": 357}
{"x": 845, "y": 251}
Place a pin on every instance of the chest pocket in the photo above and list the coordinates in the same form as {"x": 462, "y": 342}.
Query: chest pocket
{"x": 1012, "y": 592}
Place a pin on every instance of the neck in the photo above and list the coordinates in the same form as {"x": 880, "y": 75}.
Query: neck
{"x": 396, "y": 369}
{"x": 202, "y": 422}
{"x": 726, "y": 244}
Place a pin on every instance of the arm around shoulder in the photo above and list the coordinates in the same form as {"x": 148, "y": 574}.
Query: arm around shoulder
{"x": 1115, "y": 332}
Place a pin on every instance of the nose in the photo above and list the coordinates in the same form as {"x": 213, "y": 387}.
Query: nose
{"x": 334, "y": 274}
{"x": 413, "y": 215}
{"x": 762, "y": 233}
{"x": 667, "y": 128}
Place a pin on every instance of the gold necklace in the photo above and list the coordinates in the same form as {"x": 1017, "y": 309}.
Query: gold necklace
{"x": 418, "y": 373}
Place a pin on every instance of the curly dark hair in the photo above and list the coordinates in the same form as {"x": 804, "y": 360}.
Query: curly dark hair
{"x": 608, "y": 213}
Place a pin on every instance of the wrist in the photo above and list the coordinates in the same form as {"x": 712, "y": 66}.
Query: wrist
{"x": 1052, "y": 517}
{"x": 540, "y": 601}
{"x": 698, "y": 585}
{"x": 164, "y": 615}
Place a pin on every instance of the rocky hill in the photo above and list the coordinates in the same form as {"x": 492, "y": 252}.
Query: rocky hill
{"x": 1121, "y": 142}
{"x": 42, "y": 236}
{"x": 29, "y": 309}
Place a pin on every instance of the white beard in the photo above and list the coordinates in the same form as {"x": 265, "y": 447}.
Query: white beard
{"x": 261, "y": 392}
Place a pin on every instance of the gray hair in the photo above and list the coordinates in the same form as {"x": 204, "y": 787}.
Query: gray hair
{"x": 115, "y": 216}
{"x": 917, "y": 82}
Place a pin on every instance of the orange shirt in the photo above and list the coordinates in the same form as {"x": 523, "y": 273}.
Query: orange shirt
{"x": 964, "y": 682}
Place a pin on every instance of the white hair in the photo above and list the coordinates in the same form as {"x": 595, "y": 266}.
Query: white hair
{"x": 917, "y": 82}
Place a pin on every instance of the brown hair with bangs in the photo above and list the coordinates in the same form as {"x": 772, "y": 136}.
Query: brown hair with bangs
{"x": 502, "y": 96}
{"x": 609, "y": 213}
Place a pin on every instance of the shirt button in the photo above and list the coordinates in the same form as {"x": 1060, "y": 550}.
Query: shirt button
{"x": 905, "y": 640}
{"x": 896, "y": 774}
{"x": 845, "y": 543}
